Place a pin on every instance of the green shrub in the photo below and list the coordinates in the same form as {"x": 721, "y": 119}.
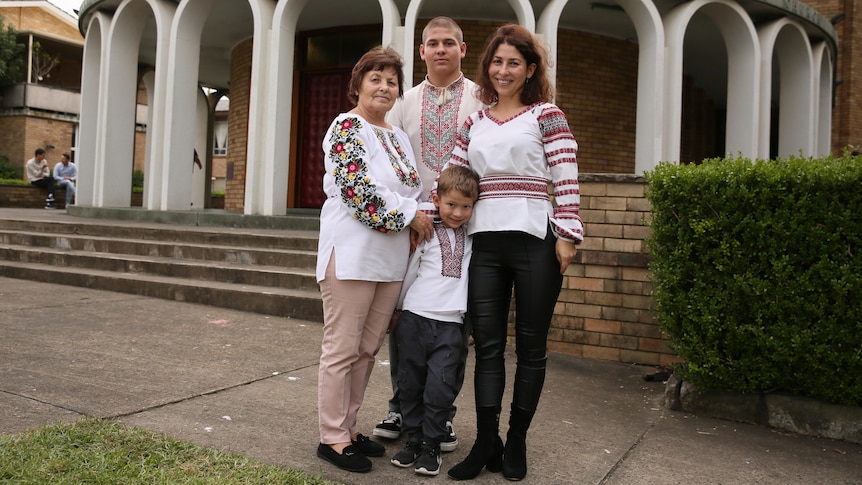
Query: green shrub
{"x": 757, "y": 271}
{"x": 14, "y": 181}
{"x": 10, "y": 170}
{"x": 138, "y": 179}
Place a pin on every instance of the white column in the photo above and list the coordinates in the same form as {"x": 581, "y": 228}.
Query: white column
{"x": 155, "y": 163}
{"x": 199, "y": 175}
{"x": 91, "y": 81}
{"x": 786, "y": 41}
{"x": 265, "y": 171}
{"x": 823, "y": 99}
{"x": 743, "y": 76}
{"x": 651, "y": 80}
{"x": 180, "y": 114}
{"x": 117, "y": 109}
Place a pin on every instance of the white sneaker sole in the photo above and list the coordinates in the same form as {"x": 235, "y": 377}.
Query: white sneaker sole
{"x": 385, "y": 433}
{"x": 449, "y": 446}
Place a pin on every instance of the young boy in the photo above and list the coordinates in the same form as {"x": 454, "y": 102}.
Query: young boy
{"x": 429, "y": 334}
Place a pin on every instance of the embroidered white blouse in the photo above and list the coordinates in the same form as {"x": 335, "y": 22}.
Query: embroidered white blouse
{"x": 372, "y": 189}
{"x": 430, "y": 116}
{"x": 435, "y": 285}
{"x": 515, "y": 160}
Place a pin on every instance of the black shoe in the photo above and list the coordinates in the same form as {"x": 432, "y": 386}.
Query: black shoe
{"x": 50, "y": 205}
{"x": 407, "y": 456}
{"x": 367, "y": 447}
{"x": 450, "y": 442}
{"x": 390, "y": 427}
{"x": 484, "y": 454}
{"x": 350, "y": 459}
{"x": 515, "y": 459}
{"x": 429, "y": 460}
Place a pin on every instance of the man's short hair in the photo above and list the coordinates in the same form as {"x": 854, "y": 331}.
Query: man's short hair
{"x": 40, "y": 151}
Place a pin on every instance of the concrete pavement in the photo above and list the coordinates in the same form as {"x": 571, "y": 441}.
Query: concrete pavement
{"x": 247, "y": 383}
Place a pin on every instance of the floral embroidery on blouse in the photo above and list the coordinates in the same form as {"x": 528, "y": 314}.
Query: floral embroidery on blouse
{"x": 409, "y": 179}
{"x": 351, "y": 176}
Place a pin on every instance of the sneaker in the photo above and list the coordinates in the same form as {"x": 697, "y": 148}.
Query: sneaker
{"x": 50, "y": 205}
{"x": 50, "y": 198}
{"x": 390, "y": 427}
{"x": 450, "y": 442}
{"x": 367, "y": 447}
{"x": 350, "y": 459}
{"x": 429, "y": 460}
{"x": 408, "y": 455}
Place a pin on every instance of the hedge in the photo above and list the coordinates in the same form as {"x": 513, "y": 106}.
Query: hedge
{"x": 757, "y": 269}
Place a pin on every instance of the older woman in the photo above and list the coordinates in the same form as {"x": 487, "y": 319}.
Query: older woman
{"x": 372, "y": 189}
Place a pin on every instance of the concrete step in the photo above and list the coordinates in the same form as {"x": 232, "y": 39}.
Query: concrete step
{"x": 251, "y": 263}
{"x": 285, "y": 302}
{"x": 225, "y": 272}
{"x": 219, "y": 236}
{"x": 289, "y": 258}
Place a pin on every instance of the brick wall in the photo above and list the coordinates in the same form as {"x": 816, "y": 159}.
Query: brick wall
{"x": 37, "y": 19}
{"x": 29, "y": 196}
{"x": 32, "y": 197}
{"x": 13, "y": 140}
{"x": 846, "y": 115}
{"x": 22, "y": 135}
{"x": 240, "y": 82}
{"x": 604, "y": 307}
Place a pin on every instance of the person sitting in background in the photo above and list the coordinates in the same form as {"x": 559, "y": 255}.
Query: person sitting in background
{"x": 38, "y": 173}
{"x": 66, "y": 174}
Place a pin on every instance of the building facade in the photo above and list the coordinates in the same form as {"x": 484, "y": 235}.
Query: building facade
{"x": 642, "y": 81}
{"x": 42, "y": 110}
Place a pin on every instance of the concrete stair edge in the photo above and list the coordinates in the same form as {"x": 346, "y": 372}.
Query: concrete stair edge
{"x": 221, "y": 271}
{"x": 290, "y": 303}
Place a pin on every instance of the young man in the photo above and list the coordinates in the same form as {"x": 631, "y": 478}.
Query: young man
{"x": 429, "y": 333}
{"x": 38, "y": 173}
{"x": 431, "y": 113}
{"x": 66, "y": 173}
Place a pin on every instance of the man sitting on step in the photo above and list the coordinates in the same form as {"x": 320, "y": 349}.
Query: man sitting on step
{"x": 38, "y": 173}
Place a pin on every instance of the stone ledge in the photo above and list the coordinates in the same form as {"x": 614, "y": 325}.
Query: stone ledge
{"x": 797, "y": 414}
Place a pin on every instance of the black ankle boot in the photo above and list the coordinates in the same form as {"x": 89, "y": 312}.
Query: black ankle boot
{"x": 515, "y": 455}
{"x": 487, "y": 452}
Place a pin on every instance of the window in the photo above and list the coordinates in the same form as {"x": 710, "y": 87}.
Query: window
{"x": 220, "y": 138}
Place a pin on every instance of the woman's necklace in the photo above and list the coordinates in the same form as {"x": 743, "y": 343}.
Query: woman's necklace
{"x": 410, "y": 179}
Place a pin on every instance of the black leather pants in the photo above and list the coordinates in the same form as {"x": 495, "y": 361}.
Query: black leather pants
{"x": 501, "y": 261}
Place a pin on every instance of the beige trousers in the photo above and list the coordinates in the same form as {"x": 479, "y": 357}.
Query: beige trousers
{"x": 356, "y": 315}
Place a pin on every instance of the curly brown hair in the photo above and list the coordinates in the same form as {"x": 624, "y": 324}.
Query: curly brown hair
{"x": 538, "y": 88}
{"x": 376, "y": 59}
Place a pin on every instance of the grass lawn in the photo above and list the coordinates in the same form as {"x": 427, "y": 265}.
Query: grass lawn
{"x": 98, "y": 451}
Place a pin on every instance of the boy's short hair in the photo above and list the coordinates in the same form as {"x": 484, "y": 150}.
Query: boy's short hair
{"x": 460, "y": 178}
{"x": 445, "y": 23}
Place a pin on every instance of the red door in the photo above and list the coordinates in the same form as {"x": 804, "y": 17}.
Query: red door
{"x": 324, "y": 96}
